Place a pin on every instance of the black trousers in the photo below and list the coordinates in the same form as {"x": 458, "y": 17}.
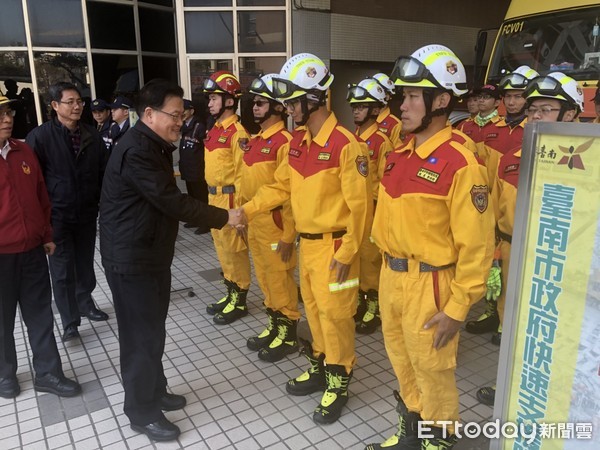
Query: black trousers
{"x": 72, "y": 269}
{"x": 141, "y": 305}
{"x": 24, "y": 280}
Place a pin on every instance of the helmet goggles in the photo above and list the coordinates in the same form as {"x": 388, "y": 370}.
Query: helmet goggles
{"x": 411, "y": 70}
{"x": 358, "y": 93}
{"x": 259, "y": 87}
{"x": 546, "y": 86}
{"x": 211, "y": 86}
{"x": 285, "y": 89}
{"x": 513, "y": 81}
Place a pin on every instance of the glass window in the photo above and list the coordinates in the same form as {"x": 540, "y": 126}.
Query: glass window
{"x": 51, "y": 68}
{"x": 15, "y": 83}
{"x": 12, "y": 27}
{"x": 157, "y": 67}
{"x": 262, "y": 31}
{"x": 250, "y": 68}
{"x": 58, "y": 23}
{"x": 158, "y": 2}
{"x": 206, "y": 2}
{"x": 261, "y": 2}
{"x": 111, "y": 26}
{"x": 157, "y": 30}
{"x": 115, "y": 75}
{"x": 209, "y": 32}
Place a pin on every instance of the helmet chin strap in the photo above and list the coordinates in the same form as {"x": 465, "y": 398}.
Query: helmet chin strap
{"x": 269, "y": 113}
{"x": 428, "y": 95}
{"x": 222, "y": 109}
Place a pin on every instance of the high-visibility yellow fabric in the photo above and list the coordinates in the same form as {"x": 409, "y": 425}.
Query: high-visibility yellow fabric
{"x": 264, "y": 154}
{"x": 433, "y": 207}
{"x": 223, "y": 158}
{"x": 390, "y": 125}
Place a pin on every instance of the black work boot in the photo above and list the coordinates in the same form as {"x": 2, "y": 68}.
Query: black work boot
{"x": 486, "y": 323}
{"x": 438, "y": 442}
{"x": 370, "y": 320}
{"x": 361, "y": 308}
{"x": 235, "y": 309}
{"x": 284, "y": 343}
{"x": 214, "y": 308}
{"x": 497, "y": 336}
{"x": 313, "y": 380}
{"x": 335, "y": 396}
{"x": 268, "y": 334}
{"x": 487, "y": 395}
{"x": 406, "y": 438}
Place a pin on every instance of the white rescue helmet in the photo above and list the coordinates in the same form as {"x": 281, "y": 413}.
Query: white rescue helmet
{"x": 558, "y": 86}
{"x": 263, "y": 86}
{"x": 518, "y": 79}
{"x": 385, "y": 82}
{"x": 368, "y": 90}
{"x": 301, "y": 74}
{"x": 431, "y": 66}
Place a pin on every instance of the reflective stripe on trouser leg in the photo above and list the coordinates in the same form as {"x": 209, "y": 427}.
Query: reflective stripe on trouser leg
{"x": 231, "y": 250}
{"x": 425, "y": 375}
{"x": 370, "y": 265}
{"x": 505, "y": 255}
{"x": 275, "y": 278}
{"x": 329, "y": 307}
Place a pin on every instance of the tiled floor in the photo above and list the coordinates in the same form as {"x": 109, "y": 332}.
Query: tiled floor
{"x": 235, "y": 401}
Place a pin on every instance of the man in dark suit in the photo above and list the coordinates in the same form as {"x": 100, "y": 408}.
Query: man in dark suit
{"x": 73, "y": 157}
{"x": 102, "y": 116}
{"x": 119, "y": 109}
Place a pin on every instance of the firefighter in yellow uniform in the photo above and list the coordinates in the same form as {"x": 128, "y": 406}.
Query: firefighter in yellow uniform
{"x": 223, "y": 150}
{"x": 326, "y": 179}
{"x": 506, "y": 135}
{"x": 272, "y": 235}
{"x": 367, "y": 98}
{"x": 388, "y": 123}
{"x": 436, "y": 230}
{"x": 553, "y": 98}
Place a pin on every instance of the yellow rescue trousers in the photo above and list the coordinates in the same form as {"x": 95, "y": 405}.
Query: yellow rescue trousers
{"x": 505, "y": 255}
{"x": 407, "y": 301}
{"x": 329, "y": 306}
{"x": 370, "y": 265}
{"x": 275, "y": 278}
{"x": 231, "y": 250}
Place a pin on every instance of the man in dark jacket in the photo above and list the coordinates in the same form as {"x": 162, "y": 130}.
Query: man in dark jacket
{"x": 102, "y": 116}
{"x": 73, "y": 157}
{"x": 119, "y": 110}
{"x": 25, "y": 239}
{"x": 139, "y": 213}
{"x": 191, "y": 158}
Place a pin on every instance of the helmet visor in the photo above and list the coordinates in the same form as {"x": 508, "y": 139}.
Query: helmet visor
{"x": 284, "y": 88}
{"x": 410, "y": 70}
{"x": 513, "y": 81}
{"x": 259, "y": 87}
{"x": 209, "y": 85}
{"x": 358, "y": 94}
{"x": 545, "y": 86}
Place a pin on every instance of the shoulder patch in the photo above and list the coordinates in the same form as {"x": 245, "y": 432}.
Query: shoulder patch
{"x": 243, "y": 142}
{"x": 362, "y": 165}
{"x": 479, "y": 197}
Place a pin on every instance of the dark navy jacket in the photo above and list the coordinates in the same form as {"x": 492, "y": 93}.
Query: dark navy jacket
{"x": 73, "y": 182}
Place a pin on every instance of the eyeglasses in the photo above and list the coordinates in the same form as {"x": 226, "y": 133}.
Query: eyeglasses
{"x": 544, "y": 111}
{"x": 291, "y": 103}
{"x": 7, "y": 113}
{"x": 72, "y": 103}
{"x": 260, "y": 103}
{"x": 176, "y": 117}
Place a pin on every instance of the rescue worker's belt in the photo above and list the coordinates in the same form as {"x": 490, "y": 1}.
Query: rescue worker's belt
{"x": 401, "y": 265}
{"x": 224, "y": 189}
{"x": 503, "y": 236}
{"x": 315, "y": 236}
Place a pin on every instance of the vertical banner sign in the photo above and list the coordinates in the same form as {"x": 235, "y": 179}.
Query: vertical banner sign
{"x": 549, "y": 370}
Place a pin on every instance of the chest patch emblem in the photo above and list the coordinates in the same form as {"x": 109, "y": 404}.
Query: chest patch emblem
{"x": 511, "y": 168}
{"x": 26, "y": 168}
{"x": 222, "y": 139}
{"x": 265, "y": 150}
{"x": 362, "y": 165}
{"x": 295, "y": 152}
{"x": 428, "y": 175}
{"x": 479, "y": 197}
{"x": 324, "y": 156}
